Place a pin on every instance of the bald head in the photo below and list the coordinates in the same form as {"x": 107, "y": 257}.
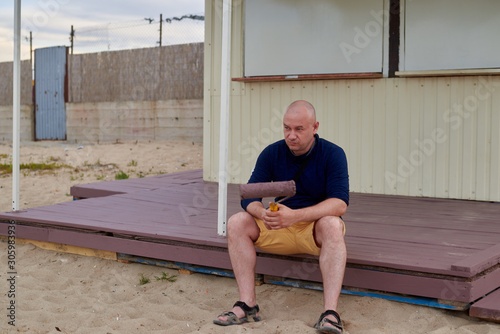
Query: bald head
{"x": 300, "y": 126}
{"x": 302, "y": 106}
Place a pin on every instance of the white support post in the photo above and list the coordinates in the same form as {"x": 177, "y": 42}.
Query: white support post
{"x": 16, "y": 105}
{"x": 224, "y": 116}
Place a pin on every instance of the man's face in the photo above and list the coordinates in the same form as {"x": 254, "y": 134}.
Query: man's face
{"x": 299, "y": 128}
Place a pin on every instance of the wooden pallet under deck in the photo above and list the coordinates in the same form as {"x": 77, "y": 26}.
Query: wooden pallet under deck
{"x": 444, "y": 250}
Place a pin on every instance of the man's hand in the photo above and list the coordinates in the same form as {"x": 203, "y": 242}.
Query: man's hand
{"x": 275, "y": 220}
{"x": 286, "y": 217}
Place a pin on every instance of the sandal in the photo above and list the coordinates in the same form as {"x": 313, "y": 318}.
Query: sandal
{"x": 232, "y": 319}
{"x": 334, "y": 328}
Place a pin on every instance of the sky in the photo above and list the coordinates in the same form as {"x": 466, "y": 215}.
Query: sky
{"x": 50, "y": 22}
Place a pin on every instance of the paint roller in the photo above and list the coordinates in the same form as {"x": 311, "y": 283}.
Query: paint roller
{"x": 285, "y": 189}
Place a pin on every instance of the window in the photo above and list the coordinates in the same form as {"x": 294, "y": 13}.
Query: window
{"x": 451, "y": 34}
{"x": 301, "y": 37}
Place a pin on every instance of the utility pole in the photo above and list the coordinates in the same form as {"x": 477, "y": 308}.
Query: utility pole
{"x": 71, "y": 38}
{"x": 31, "y": 48}
{"x": 161, "y": 22}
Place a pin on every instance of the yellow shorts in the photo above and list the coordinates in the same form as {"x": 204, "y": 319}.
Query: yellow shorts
{"x": 296, "y": 239}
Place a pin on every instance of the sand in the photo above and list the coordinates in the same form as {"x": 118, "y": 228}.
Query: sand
{"x": 58, "y": 292}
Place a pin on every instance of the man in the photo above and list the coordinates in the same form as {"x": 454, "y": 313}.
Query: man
{"x": 309, "y": 222}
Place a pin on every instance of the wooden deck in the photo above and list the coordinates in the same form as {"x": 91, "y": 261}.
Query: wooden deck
{"x": 443, "y": 251}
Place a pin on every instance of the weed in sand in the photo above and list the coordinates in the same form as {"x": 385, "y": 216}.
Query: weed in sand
{"x": 5, "y": 168}
{"x": 166, "y": 277}
{"x": 32, "y": 166}
{"x": 144, "y": 280}
{"x": 121, "y": 175}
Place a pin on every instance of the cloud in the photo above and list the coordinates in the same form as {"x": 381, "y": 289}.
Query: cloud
{"x": 50, "y": 20}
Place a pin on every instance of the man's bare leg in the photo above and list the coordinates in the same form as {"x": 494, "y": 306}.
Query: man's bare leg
{"x": 242, "y": 231}
{"x": 332, "y": 260}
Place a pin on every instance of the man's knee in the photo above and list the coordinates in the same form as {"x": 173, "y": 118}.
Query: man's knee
{"x": 238, "y": 219}
{"x": 241, "y": 223}
{"x": 330, "y": 227}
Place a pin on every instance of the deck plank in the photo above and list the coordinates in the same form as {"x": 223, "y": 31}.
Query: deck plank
{"x": 479, "y": 261}
{"x": 413, "y": 245}
{"x": 488, "y": 308}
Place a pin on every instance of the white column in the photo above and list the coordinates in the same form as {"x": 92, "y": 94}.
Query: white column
{"x": 224, "y": 115}
{"x": 16, "y": 105}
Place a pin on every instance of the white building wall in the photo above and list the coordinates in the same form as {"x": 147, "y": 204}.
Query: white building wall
{"x": 432, "y": 136}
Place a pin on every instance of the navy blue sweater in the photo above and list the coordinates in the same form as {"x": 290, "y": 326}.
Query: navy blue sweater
{"x": 324, "y": 176}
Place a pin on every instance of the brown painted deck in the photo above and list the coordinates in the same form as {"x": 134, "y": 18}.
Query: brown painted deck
{"x": 487, "y": 307}
{"x": 447, "y": 250}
